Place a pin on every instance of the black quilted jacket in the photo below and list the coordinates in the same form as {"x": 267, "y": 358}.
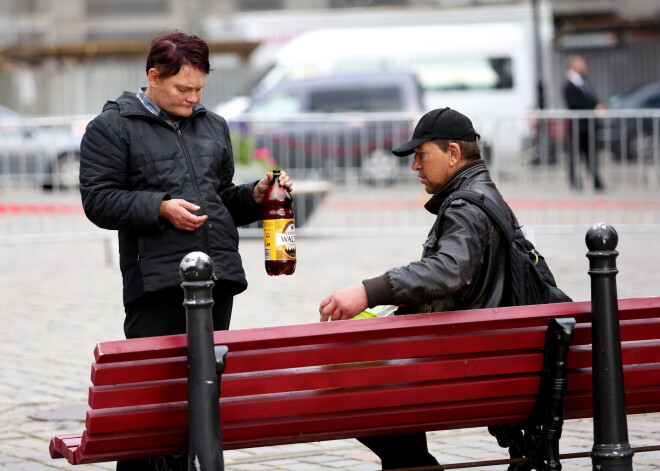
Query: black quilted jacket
{"x": 131, "y": 160}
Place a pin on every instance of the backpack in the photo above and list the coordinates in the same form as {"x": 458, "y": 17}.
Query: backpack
{"x": 530, "y": 278}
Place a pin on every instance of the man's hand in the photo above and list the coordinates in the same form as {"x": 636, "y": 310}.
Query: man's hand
{"x": 178, "y": 212}
{"x": 259, "y": 190}
{"x": 344, "y": 304}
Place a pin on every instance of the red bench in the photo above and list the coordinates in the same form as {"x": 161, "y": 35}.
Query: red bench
{"x": 357, "y": 378}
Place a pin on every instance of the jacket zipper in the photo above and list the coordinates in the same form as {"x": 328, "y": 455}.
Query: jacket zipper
{"x": 196, "y": 189}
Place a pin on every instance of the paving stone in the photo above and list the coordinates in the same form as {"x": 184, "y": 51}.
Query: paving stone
{"x": 341, "y": 463}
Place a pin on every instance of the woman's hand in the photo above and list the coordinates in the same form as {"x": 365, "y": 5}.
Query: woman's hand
{"x": 259, "y": 190}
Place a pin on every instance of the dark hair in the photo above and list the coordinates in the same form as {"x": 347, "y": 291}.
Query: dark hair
{"x": 169, "y": 52}
{"x": 469, "y": 149}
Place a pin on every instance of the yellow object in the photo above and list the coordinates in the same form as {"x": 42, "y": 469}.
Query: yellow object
{"x": 377, "y": 311}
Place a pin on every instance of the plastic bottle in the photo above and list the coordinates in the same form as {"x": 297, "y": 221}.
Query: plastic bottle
{"x": 279, "y": 229}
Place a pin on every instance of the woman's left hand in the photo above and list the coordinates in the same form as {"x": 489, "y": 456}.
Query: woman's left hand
{"x": 259, "y": 190}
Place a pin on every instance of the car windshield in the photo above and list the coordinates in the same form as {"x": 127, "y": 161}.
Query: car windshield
{"x": 364, "y": 99}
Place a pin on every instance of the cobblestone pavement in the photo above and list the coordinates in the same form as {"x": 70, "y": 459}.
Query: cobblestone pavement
{"x": 58, "y": 300}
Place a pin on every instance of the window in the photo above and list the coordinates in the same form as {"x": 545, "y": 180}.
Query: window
{"x": 464, "y": 74}
{"x": 366, "y": 99}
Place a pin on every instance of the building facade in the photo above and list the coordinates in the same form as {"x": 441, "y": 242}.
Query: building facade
{"x": 66, "y": 48}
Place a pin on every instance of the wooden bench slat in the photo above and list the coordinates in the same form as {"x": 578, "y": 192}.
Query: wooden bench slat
{"x": 321, "y": 401}
{"x": 313, "y": 402}
{"x": 59, "y": 445}
{"x": 161, "y": 368}
{"x": 639, "y": 400}
{"x": 578, "y": 405}
{"x": 174, "y": 438}
{"x": 243, "y": 435}
{"x": 311, "y": 427}
{"x": 335, "y": 353}
{"x": 139, "y": 371}
{"x": 478, "y": 319}
{"x": 363, "y": 330}
{"x": 337, "y": 376}
{"x": 325, "y": 377}
{"x": 632, "y": 353}
{"x": 630, "y": 330}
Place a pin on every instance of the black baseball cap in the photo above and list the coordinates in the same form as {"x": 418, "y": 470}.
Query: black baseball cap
{"x": 443, "y": 123}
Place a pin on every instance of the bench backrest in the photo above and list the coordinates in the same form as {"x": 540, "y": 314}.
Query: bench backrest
{"x": 346, "y": 379}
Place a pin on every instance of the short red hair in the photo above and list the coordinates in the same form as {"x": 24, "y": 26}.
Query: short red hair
{"x": 170, "y": 52}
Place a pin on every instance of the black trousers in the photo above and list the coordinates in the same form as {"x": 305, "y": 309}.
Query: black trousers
{"x": 405, "y": 450}
{"x": 163, "y": 313}
{"x": 586, "y": 153}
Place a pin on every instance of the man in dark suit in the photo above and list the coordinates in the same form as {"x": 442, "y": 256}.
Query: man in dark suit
{"x": 579, "y": 95}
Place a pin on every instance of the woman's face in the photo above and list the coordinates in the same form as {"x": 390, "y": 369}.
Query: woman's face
{"x": 177, "y": 94}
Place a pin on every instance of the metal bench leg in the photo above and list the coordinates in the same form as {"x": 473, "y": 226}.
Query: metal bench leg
{"x": 554, "y": 382}
{"x": 538, "y": 440}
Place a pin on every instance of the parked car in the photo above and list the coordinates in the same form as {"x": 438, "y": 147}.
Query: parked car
{"x": 40, "y": 150}
{"x": 633, "y": 138}
{"x": 336, "y": 121}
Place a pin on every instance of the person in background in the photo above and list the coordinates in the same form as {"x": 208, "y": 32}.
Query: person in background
{"x": 580, "y": 95}
{"x": 157, "y": 167}
{"x": 463, "y": 262}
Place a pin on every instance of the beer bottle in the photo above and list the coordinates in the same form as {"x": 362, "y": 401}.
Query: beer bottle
{"x": 279, "y": 229}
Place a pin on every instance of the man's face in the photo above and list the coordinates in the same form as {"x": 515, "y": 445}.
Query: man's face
{"x": 433, "y": 165}
{"x": 176, "y": 95}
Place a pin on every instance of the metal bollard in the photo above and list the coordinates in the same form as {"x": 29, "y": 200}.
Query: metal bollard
{"x": 611, "y": 450}
{"x": 204, "y": 442}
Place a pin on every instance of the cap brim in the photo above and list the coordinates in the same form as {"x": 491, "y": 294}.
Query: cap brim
{"x": 409, "y": 147}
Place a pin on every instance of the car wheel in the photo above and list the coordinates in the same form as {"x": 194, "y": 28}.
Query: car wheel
{"x": 64, "y": 172}
{"x": 640, "y": 147}
{"x": 380, "y": 167}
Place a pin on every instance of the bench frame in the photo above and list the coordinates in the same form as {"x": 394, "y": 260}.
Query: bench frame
{"x": 534, "y": 440}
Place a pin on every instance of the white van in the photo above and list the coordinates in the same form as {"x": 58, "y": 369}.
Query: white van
{"x": 481, "y": 64}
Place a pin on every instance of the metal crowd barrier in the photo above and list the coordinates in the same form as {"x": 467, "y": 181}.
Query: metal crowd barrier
{"x": 348, "y": 182}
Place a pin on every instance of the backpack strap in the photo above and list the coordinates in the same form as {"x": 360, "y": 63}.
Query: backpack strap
{"x": 490, "y": 208}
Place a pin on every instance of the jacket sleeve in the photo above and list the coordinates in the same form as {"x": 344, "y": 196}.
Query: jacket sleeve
{"x": 238, "y": 199}
{"x": 107, "y": 200}
{"x": 451, "y": 269}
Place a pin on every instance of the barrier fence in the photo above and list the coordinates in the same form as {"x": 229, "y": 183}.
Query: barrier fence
{"x": 348, "y": 183}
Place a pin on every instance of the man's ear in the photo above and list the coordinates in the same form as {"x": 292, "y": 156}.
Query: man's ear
{"x": 455, "y": 153}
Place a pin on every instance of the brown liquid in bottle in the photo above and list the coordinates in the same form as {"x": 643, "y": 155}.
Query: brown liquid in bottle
{"x": 279, "y": 229}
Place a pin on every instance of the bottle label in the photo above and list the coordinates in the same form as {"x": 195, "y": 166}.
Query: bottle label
{"x": 280, "y": 239}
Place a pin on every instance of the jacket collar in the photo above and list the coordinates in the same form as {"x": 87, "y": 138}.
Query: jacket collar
{"x": 468, "y": 170}
{"x": 130, "y": 105}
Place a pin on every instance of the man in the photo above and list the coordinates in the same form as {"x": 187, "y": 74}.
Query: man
{"x": 579, "y": 95}
{"x": 157, "y": 167}
{"x": 463, "y": 262}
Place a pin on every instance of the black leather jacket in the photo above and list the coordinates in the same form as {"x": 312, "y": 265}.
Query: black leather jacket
{"x": 132, "y": 160}
{"x": 463, "y": 263}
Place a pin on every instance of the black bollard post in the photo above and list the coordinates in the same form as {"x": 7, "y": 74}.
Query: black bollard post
{"x": 611, "y": 450}
{"x": 204, "y": 443}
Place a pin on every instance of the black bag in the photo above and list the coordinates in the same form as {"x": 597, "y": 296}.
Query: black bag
{"x": 530, "y": 278}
